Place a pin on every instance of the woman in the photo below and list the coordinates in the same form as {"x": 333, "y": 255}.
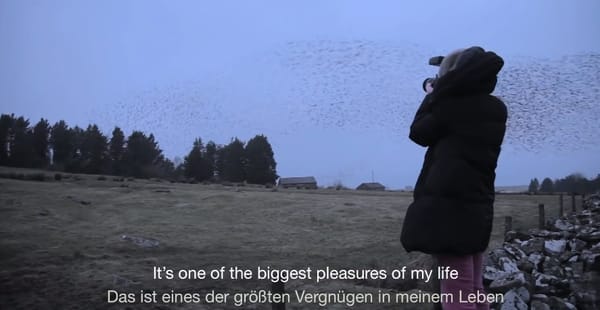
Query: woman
{"x": 463, "y": 126}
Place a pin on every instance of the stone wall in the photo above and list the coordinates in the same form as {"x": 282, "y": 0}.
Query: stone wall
{"x": 553, "y": 268}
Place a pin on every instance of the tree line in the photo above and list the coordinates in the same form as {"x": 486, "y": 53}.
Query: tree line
{"x": 574, "y": 183}
{"x": 76, "y": 150}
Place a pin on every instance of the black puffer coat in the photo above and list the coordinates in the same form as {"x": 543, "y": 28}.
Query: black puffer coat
{"x": 463, "y": 127}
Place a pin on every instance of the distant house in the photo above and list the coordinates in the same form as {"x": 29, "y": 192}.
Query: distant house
{"x": 298, "y": 182}
{"x": 374, "y": 186}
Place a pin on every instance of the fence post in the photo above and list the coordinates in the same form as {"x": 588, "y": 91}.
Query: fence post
{"x": 279, "y": 288}
{"x": 574, "y": 208}
{"x": 507, "y": 224}
{"x": 542, "y": 216}
{"x": 560, "y": 206}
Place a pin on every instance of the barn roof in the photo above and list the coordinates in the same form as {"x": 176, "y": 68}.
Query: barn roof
{"x": 297, "y": 180}
{"x": 371, "y": 185}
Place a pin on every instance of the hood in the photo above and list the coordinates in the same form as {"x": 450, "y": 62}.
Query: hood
{"x": 474, "y": 72}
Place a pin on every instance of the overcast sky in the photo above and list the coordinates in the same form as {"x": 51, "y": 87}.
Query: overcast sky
{"x": 173, "y": 67}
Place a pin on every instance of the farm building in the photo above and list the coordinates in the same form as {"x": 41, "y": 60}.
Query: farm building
{"x": 374, "y": 186}
{"x": 298, "y": 182}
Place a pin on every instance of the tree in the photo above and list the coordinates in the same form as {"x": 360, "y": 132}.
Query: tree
{"x": 20, "y": 144}
{"x": 162, "y": 168}
{"x": 196, "y": 165}
{"x": 260, "y": 164}
{"x": 595, "y": 184}
{"x": 141, "y": 155}
{"x": 220, "y": 162}
{"x": 41, "y": 144}
{"x": 211, "y": 158}
{"x": 534, "y": 186}
{"x": 61, "y": 142}
{"x": 94, "y": 151}
{"x": 234, "y": 161}
{"x": 179, "y": 168}
{"x": 74, "y": 162}
{"x": 6, "y": 123}
{"x": 547, "y": 186}
{"x": 573, "y": 183}
{"x": 116, "y": 150}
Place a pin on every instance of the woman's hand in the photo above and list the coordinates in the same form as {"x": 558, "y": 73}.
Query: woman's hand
{"x": 428, "y": 87}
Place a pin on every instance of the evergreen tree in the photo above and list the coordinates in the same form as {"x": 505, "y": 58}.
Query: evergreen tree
{"x": 141, "y": 155}
{"x": 595, "y": 184}
{"x": 162, "y": 168}
{"x": 547, "y": 186}
{"x": 260, "y": 164}
{"x": 41, "y": 144}
{"x": 6, "y": 124}
{"x": 534, "y": 186}
{"x": 234, "y": 161}
{"x": 179, "y": 168}
{"x": 211, "y": 158}
{"x": 21, "y": 144}
{"x": 116, "y": 150}
{"x": 195, "y": 165}
{"x": 94, "y": 151}
{"x": 75, "y": 160}
{"x": 220, "y": 162}
{"x": 61, "y": 142}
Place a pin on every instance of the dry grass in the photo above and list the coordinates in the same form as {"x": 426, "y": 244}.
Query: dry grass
{"x": 61, "y": 241}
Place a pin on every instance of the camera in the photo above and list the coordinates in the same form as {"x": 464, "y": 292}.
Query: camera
{"x": 436, "y": 61}
{"x": 433, "y": 61}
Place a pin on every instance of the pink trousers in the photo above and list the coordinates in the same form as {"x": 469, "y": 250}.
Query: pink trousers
{"x": 470, "y": 280}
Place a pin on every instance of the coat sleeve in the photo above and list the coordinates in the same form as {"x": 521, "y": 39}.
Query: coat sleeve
{"x": 426, "y": 128}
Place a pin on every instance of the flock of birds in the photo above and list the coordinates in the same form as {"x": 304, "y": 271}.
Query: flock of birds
{"x": 552, "y": 103}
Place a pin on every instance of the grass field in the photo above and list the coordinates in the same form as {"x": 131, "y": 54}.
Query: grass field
{"x": 61, "y": 243}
